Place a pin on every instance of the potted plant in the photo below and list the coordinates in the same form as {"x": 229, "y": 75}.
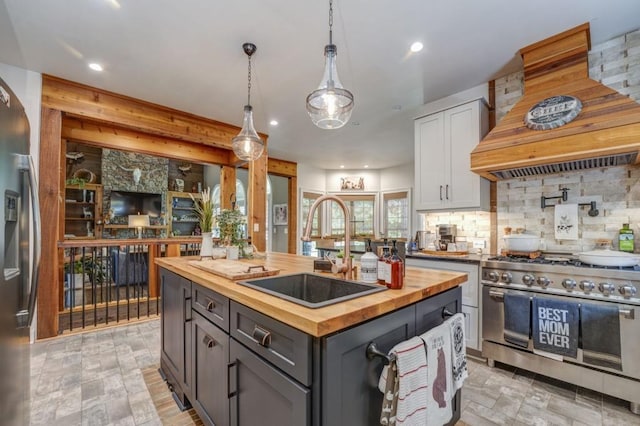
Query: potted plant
{"x": 204, "y": 210}
{"x": 231, "y": 223}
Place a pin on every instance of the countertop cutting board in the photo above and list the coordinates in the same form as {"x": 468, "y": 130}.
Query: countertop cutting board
{"x": 234, "y": 269}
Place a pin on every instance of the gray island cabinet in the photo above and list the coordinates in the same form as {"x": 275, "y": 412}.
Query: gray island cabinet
{"x": 237, "y": 366}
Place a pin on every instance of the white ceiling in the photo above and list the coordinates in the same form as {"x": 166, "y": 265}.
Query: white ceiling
{"x": 187, "y": 55}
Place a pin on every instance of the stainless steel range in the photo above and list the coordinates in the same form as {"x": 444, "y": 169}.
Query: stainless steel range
{"x": 585, "y": 314}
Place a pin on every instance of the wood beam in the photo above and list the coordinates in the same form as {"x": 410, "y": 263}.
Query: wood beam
{"x": 108, "y": 136}
{"x": 51, "y": 177}
{"x": 282, "y": 168}
{"x": 257, "y": 213}
{"x": 227, "y": 185}
{"x": 293, "y": 215}
{"x": 101, "y": 105}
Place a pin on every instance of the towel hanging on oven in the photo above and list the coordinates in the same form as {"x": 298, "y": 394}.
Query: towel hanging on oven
{"x": 517, "y": 318}
{"x": 555, "y": 326}
{"x": 601, "y": 335}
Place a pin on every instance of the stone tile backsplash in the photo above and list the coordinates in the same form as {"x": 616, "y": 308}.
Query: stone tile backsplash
{"x": 474, "y": 225}
{"x": 616, "y": 191}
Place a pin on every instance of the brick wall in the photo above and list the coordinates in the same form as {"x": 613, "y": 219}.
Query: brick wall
{"x": 615, "y": 63}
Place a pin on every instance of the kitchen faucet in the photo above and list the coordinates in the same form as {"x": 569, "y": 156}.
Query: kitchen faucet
{"x": 345, "y": 268}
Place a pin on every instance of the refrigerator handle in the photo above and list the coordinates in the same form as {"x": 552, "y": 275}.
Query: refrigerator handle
{"x": 26, "y": 164}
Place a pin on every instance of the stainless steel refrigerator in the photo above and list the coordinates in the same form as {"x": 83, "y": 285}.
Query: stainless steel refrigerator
{"x": 19, "y": 258}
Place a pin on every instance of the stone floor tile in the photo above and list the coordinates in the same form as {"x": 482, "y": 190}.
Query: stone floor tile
{"x": 118, "y": 409}
{"x": 476, "y": 394}
{"x": 473, "y": 419}
{"x": 555, "y": 386}
{"x": 538, "y": 397}
{"x": 584, "y": 394}
{"x": 92, "y": 389}
{"x": 532, "y": 415}
{"x": 497, "y": 417}
{"x": 509, "y": 405}
{"x": 95, "y": 415}
{"x": 582, "y": 411}
{"x": 74, "y": 419}
{"x": 616, "y": 415}
{"x": 69, "y": 404}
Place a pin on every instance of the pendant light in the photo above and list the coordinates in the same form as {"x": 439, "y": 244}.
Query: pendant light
{"x": 247, "y": 145}
{"x": 330, "y": 105}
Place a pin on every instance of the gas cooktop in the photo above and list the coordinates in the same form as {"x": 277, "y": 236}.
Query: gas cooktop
{"x": 557, "y": 260}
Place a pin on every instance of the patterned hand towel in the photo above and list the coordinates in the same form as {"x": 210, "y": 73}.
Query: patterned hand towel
{"x": 458, "y": 350}
{"x": 439, "y": 375}
{"x": 409, "y": 403}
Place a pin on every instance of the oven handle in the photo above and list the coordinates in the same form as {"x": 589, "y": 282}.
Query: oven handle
{"x": 628, "y": 313}
{"x": 496, "y": 294}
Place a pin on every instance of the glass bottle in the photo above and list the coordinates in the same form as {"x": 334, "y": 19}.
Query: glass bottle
{"x": 369, "y": 265}
{"x": 382, "y": 264}
{"x": 396, "y": 267}
{"x": 625, "y": 239}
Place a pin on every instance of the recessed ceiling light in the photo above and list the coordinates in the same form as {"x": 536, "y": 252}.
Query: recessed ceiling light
{"x": 416, "y": 47}
{"x": 366, "y": 166}
{"x": 95, "y": 66}
{"x": 274, "y": 122}
{"x": 342, "y": 166}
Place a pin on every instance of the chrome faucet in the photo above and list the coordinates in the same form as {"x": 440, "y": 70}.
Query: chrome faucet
{"x": 345, "y": 268}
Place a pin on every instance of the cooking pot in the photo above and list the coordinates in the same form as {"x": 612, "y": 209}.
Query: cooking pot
{"x": 609, "y": 258}
{"x": 522, "y": 242}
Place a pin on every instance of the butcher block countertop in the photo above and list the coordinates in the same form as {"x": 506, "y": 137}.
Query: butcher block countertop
{"x": 419, "y": 284}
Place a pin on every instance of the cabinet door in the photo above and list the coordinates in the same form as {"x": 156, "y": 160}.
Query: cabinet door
{"x": 176, "y": 332}
{"x": 210, "y": 357}
{"x": 462, "y": 133}
{"x": 263, "y": 395}
{"x": 350, "y": 394}
{"x": 430, "y": 162}
{"x": 471, "y": 327}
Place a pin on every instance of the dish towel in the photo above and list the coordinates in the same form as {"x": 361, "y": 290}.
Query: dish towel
{"x": 439, "y": 375}
{"x": 405, "y": 384}
{"x": 458, "y": 350}
{"x": 517, "y": 319}
{"x": 566, "y": 221}
{"x": 601, "y": 335}
{"x": 555, "y": 326}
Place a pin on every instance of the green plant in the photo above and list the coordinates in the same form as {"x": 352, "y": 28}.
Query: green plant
{"x": 204, "y": 209}
{"x": 76, "y": 181}
{"x": 230, "y": 223}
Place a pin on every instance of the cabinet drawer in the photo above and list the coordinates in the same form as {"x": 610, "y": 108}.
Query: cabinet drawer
{"x": 213, "y": 306}
{"x": 284, "y": 346}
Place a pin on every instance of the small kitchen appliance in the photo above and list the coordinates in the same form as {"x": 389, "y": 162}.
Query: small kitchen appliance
{"x": 446, "y": 235}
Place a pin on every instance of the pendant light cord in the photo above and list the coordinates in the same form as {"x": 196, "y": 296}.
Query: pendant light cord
{"x": 249, "y": 85}
{"x": 330, "y": 21}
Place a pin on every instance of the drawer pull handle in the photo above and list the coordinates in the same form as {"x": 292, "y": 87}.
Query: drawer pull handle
{"x": 210, "y": 306}
{"x": 440, "y": 192}
{"x": 262, "y": 336}
{"x": 208, "y": 341}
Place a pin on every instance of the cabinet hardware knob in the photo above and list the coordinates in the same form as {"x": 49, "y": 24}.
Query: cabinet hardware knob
{"x": 208, "y": 341}
{"x": 262, "y": 336}
{"x": 210, "y": 306}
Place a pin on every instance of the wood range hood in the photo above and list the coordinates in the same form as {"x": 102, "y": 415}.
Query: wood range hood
{"x": 605, "y": 133}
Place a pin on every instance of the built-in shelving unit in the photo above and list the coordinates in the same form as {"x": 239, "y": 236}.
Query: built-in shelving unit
{"x": 181, "y": 214}
{"x": 83, "y": 211}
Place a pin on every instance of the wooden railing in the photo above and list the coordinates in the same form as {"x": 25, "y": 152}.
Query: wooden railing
{"x": 110, "y": 280}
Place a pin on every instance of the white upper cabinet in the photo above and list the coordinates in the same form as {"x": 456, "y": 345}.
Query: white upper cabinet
{"x": 443, "y": 144}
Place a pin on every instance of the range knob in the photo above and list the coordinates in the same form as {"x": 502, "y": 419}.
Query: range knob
{"x": 587, "y": 286}
{"x": 543, "y": 282}
{"x": 506, "y": 277}
{"x": 569, "y": 283}
{"x": 606, "y": 288}
{"x": 627, "y": 290}
{"x": 493, "y": 276}
{"x": 528, "y": 279}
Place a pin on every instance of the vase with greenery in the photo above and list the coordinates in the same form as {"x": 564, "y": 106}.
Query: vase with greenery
{"x": 231, "y": 223}
{"x": 204, "y": 210}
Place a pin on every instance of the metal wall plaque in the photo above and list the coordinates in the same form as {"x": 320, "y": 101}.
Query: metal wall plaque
{"x": 553, "y": 112}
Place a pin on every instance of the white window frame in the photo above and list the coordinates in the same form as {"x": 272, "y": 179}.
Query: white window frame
{"x": 383, "y": 213}
{"x": 376, "y": 214}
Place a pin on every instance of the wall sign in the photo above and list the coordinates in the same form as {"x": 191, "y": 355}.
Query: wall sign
{"x": 553, "y": 112}
{"x": 352, "y": 182}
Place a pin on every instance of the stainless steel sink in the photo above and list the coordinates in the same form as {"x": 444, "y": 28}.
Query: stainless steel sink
{"x": 312, "y": 290}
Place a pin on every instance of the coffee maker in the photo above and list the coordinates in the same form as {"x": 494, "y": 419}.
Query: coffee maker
{"x": 446, "y": 234}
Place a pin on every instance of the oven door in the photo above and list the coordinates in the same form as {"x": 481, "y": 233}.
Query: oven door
{"x": 493, "y": 327}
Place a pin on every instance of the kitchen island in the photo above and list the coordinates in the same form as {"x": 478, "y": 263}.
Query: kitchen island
{"x": 241, "y": 356}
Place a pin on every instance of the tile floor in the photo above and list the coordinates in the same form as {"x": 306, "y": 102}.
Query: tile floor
{"x": 95, "y": 378}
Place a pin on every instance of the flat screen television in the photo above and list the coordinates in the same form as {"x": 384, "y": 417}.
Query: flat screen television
{"x": 124, "y": 203}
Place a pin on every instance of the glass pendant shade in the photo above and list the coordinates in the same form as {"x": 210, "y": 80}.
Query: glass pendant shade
{"x": 330, "y": 105}
{"x": 247, "y": 145}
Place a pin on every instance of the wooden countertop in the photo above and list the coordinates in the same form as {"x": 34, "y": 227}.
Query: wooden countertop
{"x": 419, "y": 284}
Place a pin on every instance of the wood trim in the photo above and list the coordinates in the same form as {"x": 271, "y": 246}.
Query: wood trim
{"x": 51, "y": 183}
{"x": 105, "y": 135}
{"x": 227, "y": 185}
{"x": 293, "y": 215}
{"x": 282, "y": 168}
{"x": 88, "y": 102}
{"x": 258, "y": 201}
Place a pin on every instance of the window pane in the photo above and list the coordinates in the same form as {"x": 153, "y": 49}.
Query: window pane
{"x": 396, "y": 215}
{"x": 361, "y": 208}
{"x": 307, "y": 200}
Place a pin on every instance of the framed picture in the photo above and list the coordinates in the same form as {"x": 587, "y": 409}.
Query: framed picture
{"x": 352, "y": 182}
{"x": 280, "y": 214}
